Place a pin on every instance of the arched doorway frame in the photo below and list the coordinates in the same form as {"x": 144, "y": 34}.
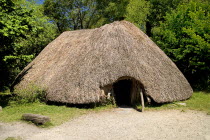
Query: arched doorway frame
{"x": 136, "y": 88}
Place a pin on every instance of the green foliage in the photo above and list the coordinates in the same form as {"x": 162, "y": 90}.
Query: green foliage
{"x": 114, "y": 10}
{"x": 83, "y": 14}
{"x": 185, "y": 38}
{"x": 43, "y": 31}
{"x": 14, "y": 23}
{"x": 137, "y": 12}
{"x": 24, "y": 31}
{"x": 72, "y": 15}
{"x": 158, "y": 9}
{"x": 32, "y": 93}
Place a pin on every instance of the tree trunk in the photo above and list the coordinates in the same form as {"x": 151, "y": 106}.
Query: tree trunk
{"x": 148, "y": 29}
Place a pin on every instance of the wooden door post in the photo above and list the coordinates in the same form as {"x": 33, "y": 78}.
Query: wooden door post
{"x": 142, "y": 101}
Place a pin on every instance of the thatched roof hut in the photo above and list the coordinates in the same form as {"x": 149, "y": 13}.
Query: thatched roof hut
{"x": 85, "y": 66}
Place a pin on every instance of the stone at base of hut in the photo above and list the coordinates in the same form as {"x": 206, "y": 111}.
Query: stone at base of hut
{"x": 0, "y": 108}
{"x": 36, "y": 118}
{"x": 182, "y": 104}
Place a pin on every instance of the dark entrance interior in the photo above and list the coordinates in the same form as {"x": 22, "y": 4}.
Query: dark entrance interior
{"x": 122, "y": 90}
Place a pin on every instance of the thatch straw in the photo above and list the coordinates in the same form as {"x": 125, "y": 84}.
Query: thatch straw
{"x": 77, "y": 64}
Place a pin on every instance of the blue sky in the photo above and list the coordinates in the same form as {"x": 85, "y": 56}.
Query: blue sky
{"x": 40, "y": 1}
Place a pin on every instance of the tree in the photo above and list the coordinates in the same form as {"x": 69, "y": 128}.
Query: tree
{"x": 137, "y": 12}
{"x": 158, "y": 10}
{"x": 85, "y": 14}
{"x": 43, "y": 31}
{"x": 113, "y": 10}
{"x": 22, "y": 36}
{"x": 185, "y": 38}
{"x": 14, "y": 23}
{"x": 72, "y": 15}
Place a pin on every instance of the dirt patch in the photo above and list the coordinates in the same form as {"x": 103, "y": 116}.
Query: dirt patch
{"x": 120, "y": 123}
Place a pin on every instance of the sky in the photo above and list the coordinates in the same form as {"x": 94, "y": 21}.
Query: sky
{"x": 40, "y": 1}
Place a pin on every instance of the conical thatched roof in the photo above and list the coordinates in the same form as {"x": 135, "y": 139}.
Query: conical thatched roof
{"x": 76, "y": 65}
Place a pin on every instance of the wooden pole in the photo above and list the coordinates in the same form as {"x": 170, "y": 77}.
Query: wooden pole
{"x": 142, "y": 101}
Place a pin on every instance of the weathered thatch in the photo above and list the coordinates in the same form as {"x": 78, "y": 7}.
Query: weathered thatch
{"x": 80, "y": 67}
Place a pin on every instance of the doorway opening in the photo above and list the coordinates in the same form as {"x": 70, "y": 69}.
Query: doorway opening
{"x": 126, "y": 91}
{"x": 123, "y": 91}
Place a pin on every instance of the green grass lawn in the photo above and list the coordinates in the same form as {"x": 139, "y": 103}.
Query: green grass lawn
{"x": 13, "y": 111}
{"x": 199, "y": 101}
{"x": 59, "y": 114}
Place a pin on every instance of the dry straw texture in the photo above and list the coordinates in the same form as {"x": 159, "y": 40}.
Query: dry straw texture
{"x": 77, "y": 64}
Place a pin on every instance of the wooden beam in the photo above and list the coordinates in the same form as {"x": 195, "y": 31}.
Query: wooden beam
{"x": 142, "y": 101}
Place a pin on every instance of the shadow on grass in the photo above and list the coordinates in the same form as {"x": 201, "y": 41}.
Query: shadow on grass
{"x": 80, "y": 106}
{"x": 4, "y": 99}
{"x": 207, "y": 91}
{"x": 137, "y": 107}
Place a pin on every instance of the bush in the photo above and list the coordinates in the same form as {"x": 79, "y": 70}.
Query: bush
{"x": 32, "y": 93}
{"x": 185, "y": 38}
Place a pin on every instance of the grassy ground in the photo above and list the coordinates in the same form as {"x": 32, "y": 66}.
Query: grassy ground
{"x": 13, "y": 111}
{"x": 199, "y": 101}
{"x": 59, "y": 114}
